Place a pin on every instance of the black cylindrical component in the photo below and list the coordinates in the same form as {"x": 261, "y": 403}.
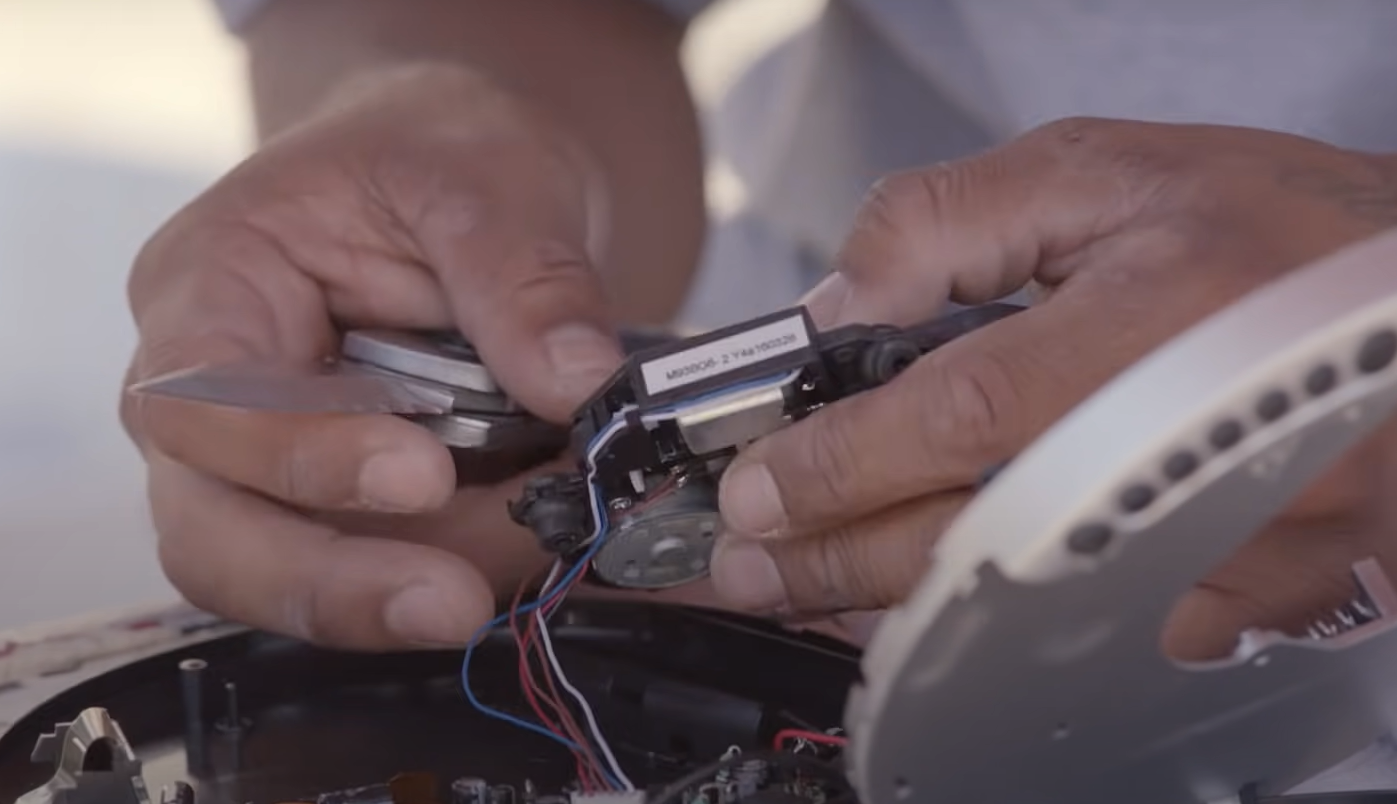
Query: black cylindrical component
{"x": 232, "y": 722}
{"x": 470, "y": 791}
{"x": 191, "y": 673}
{"x": 884, "y": 360}
{"x": 560, "y": 519}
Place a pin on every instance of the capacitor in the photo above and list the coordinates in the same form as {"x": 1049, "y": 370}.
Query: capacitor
{"x": 470, "y": 791}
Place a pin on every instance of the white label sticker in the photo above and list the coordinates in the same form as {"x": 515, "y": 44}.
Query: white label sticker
{"x": 725, "y": 354}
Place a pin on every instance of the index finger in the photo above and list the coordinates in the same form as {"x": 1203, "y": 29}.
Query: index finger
{"x": 979, "y": 229}
{"x": 210, "y": 295}
{"x": 957, "y": 412}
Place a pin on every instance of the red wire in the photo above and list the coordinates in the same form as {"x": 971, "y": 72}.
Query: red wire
{"x": 811, "y": 736}
{"x": 585, "y": 773}
{"x": 531, "y": 640}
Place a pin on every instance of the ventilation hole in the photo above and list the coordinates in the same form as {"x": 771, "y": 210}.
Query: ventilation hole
{"x": 1180, "y": 465}
{"x": 1089, "y": 539}
{"x": 1272, "y": 406}
{"x": 1136, "y": 498}
{"x": 1321, "y": 380}
{"x": 1377, "y": 352}
{"x": 1225, "y": 435}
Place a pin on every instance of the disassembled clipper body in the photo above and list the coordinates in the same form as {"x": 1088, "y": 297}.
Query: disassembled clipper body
{"x": 653, "y": 443}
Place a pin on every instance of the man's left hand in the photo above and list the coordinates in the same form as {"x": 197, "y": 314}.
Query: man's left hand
{"x": 1132, "y": 232}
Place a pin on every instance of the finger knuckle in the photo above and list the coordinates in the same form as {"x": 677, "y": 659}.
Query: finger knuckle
{"x": 837, "y": 571}
{"x": 1132, "y": 153}
{"x": 297, "y": 472}
{"x": 903, "y": 201}
{"x": 1077, "y": 131}
{"x": 304, "y": 617}
{"x": 972, "y": 402}
{"x": 832, "y": 456}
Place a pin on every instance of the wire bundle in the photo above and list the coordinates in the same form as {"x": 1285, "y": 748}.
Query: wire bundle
{"x": 536, "y": 645}
{"x": 597, "y": 765}
{"x": 534, "y": 638}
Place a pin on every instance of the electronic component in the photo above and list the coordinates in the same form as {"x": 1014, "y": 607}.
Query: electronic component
{"x": 655, "y": 440}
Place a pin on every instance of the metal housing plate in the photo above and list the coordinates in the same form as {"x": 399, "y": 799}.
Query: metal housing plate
{"x": 1026, "y": 668}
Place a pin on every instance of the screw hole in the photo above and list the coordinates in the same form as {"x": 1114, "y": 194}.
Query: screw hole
{"x": 1062, "y": 731}
{"x": 902, "y": 789}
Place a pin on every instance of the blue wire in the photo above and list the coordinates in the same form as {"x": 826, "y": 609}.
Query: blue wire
{"x": 562, "y": 586}
{"x": 558, "y": 589}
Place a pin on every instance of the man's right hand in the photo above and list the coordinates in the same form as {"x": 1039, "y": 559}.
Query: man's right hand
{"x": 424, "y": 198}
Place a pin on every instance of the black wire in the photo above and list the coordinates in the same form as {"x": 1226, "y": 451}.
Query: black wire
{"x": 674, "y": 792}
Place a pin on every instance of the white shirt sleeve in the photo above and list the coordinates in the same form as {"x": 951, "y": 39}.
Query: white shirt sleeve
{"x": 237, "y": 13}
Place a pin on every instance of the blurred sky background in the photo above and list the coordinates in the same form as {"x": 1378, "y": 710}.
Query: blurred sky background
{"x": 113, "y": 114}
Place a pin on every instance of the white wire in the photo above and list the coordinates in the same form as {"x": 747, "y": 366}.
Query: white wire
{"x": 600, "y": 442}
{"x": 578, "y": 696}
{"x": 598, "y": 517}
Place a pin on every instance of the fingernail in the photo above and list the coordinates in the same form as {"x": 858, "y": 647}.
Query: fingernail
{"x": 750, "y": 501}
{"x": 399, "y": 481}
{"x": 745, "y": 575}
{"x": 422, "y": 615}
{"x": 583, "y": 355}
{"x": 826, "y": 301}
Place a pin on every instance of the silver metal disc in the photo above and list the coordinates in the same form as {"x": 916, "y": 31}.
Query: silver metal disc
{"x": 667, "y": 544}
{"x": 440, "y": 358}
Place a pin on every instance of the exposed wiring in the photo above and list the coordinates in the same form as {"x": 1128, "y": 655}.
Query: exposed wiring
{"x": 819, "y": 738}
{"x": 565, "y": 730}
{"x": 552, "y": 596}
{"x": 587, "y": 775}
{"x": 501, "y": 620}
{"x": 581, "y": 702}
{"x": 673, "y": 793}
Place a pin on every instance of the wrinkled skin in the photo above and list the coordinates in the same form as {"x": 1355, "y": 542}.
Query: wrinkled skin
{"x": 1129, "y": 233}
{"x": 423, "y": 198}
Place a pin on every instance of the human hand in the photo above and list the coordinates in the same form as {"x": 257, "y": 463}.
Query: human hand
{"x": 1132, "y": 232}
{"x": 427, "y": 198}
